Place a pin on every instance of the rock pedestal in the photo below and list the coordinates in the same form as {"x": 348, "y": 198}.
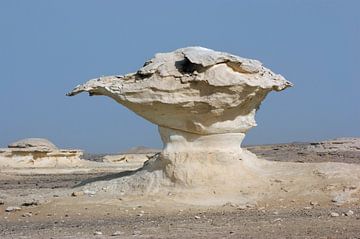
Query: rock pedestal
{"x": 204, "y": 102}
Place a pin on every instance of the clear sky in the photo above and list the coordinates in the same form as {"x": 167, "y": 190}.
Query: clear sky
{"x": 48, "y": 47}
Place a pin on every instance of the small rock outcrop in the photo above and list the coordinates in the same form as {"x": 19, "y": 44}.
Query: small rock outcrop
{"x": 35, "y": 143}
{"x": 38, "y": 152}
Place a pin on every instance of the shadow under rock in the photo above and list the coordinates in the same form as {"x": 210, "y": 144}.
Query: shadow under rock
{"x": 107, "y": 177}
{"x": 150, "y": 165}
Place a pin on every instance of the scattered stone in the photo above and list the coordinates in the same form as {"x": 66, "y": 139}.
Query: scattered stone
{"x": 277, "y": 220}
{"x": 241, "y": 207}
{"x": 77, "y": 194}
{"x": 12, "y": 209}
{"x": 31, "y": 203}
{"x": 2, "y": 202}
{"x": 308, "y": 208}
{"x": 314, "y": 203}
{"x": 96, "y": 233}
{"x": 89, "y": 192}
{"x": 229, "y": 204}
{"x": 349, "y": 213}
{"x": 197, "y": 217}
{"x": 334, "y": 214}
{"x": 340, "y": 199}
{"x": 28, "y": 214}
{"x": 117, "y": 233}
{"x": 335, "y": 145}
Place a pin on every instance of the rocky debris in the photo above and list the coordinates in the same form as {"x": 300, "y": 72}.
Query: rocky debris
{"x": 77, "y": 193}
{"x": 12, "y": 209}
{"x": 277, "y": 220}
{"x": 314, "y": 203}
{"x": 127, "y": 158}
{"x": 336, "y": 145}
{"x": 2, "y": 202}
{"x": 117, "y": 233}
{"x": 97, "y": 233}
{"x": 89, "y": 192}
{"x": 334, "y": 214}
{"x": 349, "y": 213}
{"x": 27, "y": 214}
{"x": 31, "y": 203}
{"x": 137, "y": 232}
{"x": 38, "y": 152}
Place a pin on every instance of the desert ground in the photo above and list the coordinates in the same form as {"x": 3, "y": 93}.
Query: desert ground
{"x": 39, "y": 203}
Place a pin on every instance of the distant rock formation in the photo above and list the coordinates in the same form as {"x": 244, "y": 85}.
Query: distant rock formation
{"x": 34, "y": 143}
{"x": 38, "y": 152}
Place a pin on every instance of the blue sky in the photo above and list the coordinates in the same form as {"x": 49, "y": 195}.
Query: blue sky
{"x": 48, "y": 47}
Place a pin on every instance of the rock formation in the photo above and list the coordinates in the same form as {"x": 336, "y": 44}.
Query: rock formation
{"x": 37, "y": 152}
{"x": 204, "y": 102}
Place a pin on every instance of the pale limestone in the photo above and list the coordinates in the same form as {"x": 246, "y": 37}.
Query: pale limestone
{"x": 204, "y": 102}
{"x": 194, "y": 90}
{"x": 37, "y": 152}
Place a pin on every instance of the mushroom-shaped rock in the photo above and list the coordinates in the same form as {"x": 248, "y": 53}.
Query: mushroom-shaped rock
{"x": 204, "y": 102}
{"x": 31, "y": 143}
{"x": 194, "y": 89}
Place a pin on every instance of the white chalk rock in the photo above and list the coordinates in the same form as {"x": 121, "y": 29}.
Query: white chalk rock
{"x": 38, "y": 152}
{"x": 204, "y": 102}
{"x": 38, "y": 143}
{"x": 194, "y": 89}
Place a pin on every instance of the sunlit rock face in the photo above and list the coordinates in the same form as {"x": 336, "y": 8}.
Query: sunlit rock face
{"x": 204, "y": 102}
{"x": 194, "y": 89}
{"x": 192, "y": 92}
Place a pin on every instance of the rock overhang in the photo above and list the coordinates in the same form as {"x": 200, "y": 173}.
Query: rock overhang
{"x": 194, "y": 89}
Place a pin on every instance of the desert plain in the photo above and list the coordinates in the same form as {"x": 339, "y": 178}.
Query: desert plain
{"x": 48, "y": 202}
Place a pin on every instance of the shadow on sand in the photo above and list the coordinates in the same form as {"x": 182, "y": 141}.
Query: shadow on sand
{"x": 107, "y": 177}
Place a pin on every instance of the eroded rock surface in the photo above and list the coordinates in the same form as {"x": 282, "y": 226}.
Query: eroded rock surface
{"x": 34, "y": 143}
{"x": 38, "y": 152}
{"x": 204, "y": 102}
{"x": 194, "y": 89}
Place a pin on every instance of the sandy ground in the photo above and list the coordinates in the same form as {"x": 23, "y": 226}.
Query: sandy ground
{"x": 48, "y": 210}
